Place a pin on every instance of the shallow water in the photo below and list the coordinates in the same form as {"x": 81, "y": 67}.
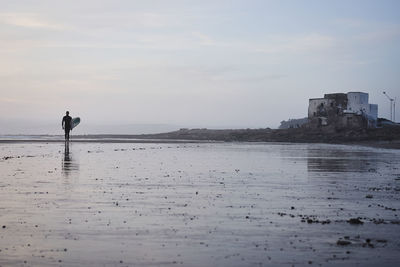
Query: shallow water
{"x": 234, "y": 204}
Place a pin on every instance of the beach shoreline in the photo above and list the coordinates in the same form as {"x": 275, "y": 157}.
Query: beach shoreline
{"x": 376, "y": 144}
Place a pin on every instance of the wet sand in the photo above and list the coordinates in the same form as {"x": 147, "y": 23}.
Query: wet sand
{"x": 198, "y": 204}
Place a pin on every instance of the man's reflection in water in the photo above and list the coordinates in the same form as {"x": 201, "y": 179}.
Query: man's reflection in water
{"x": 68, "y": 164}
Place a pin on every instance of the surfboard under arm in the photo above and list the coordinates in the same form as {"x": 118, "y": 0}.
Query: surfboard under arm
{"x": 75, "y": 122}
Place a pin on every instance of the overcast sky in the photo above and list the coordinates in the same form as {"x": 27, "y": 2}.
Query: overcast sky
{"x": 196, "y": 63}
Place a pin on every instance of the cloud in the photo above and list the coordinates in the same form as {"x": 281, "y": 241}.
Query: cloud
{"x": 122, "y": 21}
{"x": 304, "y": 43}
{"x": 150, "y": 41}
{"x": 382, "y": 35}
{"x": 10, "y": 100}
{"x": 350, "y": 22}
{"x": 203, "y": 39}
{"x": 29, "y": 20}
{"x": 153, "y": 20}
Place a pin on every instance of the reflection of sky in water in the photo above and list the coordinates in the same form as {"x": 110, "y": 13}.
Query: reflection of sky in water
{"x": 320, "y": 158}
{"x": 342, "y": 159}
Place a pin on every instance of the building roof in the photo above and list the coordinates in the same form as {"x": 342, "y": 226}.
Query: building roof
{"x": 320, "y": 98}
{"x": 336, "y": 94}
{"x": 357, "y": 93}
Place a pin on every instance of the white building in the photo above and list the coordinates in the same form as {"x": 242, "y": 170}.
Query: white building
{"x": 357, "y": 102}
{"x": 333, "y": 108}
{"x": 373, "y": 111}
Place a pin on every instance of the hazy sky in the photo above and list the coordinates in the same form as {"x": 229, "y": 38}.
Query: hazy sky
{"x": 196, "y": 63}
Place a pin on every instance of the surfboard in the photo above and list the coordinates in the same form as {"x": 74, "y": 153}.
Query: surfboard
{"x": 75, "y": 122}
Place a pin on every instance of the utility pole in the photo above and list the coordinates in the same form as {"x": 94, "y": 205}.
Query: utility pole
{"x": 392, "y": 107}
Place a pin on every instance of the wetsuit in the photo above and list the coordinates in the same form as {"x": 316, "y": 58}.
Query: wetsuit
{"x": 66, "y": 122}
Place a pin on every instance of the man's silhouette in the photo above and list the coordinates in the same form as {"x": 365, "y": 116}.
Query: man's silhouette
{"x": 66, "y": 125}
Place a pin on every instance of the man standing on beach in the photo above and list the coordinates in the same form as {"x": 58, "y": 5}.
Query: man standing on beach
{"x": 66, "y": 125}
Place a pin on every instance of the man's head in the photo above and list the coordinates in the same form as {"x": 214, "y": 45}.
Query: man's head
{"x": 67, "y": 113}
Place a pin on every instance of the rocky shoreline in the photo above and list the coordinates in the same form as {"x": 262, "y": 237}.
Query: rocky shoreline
{"x": 387, "y": 137}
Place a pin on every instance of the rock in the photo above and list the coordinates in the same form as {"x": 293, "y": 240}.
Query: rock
{"x": 355, "y": 221}
{"x": 343, "y": 242}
